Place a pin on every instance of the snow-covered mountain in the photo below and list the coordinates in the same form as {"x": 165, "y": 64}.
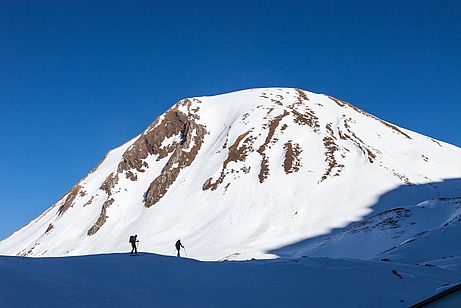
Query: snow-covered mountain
{"x": 256, "y": 173}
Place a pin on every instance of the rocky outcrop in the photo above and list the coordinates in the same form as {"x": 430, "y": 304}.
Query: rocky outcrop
{"x": 351, "y": 136}
{"x": 271, "y": 126}
{"x": 173, "y": 122}
{"x": 307, "y": 117}
{"x": 150, "y": 143}
{"x": 330, "y": 158}
{"x": 238, "y": 151}
{"x": 183, "y": 154}
{"x": 109, "y": 183}
{"x": 102, "y": 217}
{"x": 292, "y": 161}
{"x": 69, "y": 201}
{"x": 50, "y": 227}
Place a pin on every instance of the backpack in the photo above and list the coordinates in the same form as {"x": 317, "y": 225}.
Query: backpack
{"x": 131, "y": 239}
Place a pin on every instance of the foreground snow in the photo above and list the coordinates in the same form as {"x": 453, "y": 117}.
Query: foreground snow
{"x": 149, "y": 280}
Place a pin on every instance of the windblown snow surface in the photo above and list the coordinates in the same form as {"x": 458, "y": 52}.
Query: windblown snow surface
{"x": 148, "y": 280}
{"x": 337, "y": 206}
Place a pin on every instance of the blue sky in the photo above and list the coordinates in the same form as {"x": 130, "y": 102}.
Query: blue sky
{"x": 78, "y": 78}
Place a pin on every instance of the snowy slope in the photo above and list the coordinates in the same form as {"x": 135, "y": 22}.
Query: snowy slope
{"x": 411, "y": 234}
{"x": 117, "y": 280}
{"x": 243, "y": 175}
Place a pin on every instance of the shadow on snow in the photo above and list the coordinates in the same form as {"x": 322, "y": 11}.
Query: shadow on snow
{"x": 404, "y": 195}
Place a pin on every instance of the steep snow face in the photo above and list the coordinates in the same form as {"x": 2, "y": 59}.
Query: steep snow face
{"x": 241, "y": 174}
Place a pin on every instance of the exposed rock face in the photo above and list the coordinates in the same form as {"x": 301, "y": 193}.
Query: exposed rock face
{"x": 110, "y": 182}
{"x": 307, "y": 117}
{"x": 280, "y": 116}
{"x": 183, "y": 154}
{"x": 173, "y": 122}
{"x": 238, "y": 151}
{"x": 89, "y": 201}
{"x": 292, "y": 161}
{"x": 102, "y": 217}
{"x": 150, "y": 143}
{"x": 330, "y": 159}
{"x": 351, "y": 136}
{"x": 272, "y": 126}
{"x": 50, "y": 227}
{"x": 70, "y": 197}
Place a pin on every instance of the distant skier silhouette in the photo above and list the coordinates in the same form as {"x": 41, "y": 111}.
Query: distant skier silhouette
{"x": 133, "y": 241}
{"x": 178, "y": 247}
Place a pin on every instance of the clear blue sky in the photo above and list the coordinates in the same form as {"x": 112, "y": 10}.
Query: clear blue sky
{"x": 78, "y": 78}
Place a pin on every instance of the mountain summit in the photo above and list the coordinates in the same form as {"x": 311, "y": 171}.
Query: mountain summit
{"x": 242, "y": 175}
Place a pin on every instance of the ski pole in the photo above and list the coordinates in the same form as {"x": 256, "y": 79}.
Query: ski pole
{"x": 185, "y": 251}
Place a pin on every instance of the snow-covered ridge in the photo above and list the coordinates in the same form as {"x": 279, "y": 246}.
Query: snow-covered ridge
{"x": 242, "y": 174}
